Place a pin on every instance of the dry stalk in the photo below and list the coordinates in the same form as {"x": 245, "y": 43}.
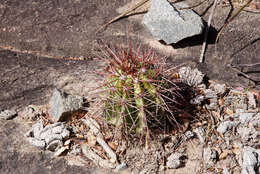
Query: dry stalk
{"x": 204, "y": 46}
{"x": 89, "y": 153}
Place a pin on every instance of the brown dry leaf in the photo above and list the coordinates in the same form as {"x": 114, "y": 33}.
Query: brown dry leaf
{"x": 175, "y": 76}
{"x": 236, "y": 151}
{"x": 224, "y": 154}
{"x": 229, "y": 112}
{"x": 218, "y": 141}
{"x": 92, "y": 140}
{"x": 113, "y": 145}
{"x": 99, "y": 150}
{"x": 106, "y": 136}
{"x": 221, "y": 102}
{"x": 121, "y": 149}
{"x": 221, "y": 135}
{"x": 219, "y": 151}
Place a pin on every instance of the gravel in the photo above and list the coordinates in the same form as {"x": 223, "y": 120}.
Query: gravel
{"x": 49, "y": 137}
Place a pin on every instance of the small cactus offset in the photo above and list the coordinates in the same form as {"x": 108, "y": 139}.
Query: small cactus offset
{"x": 137, "y": 95}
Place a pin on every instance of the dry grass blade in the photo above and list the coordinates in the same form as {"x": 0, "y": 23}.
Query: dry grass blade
{"x": 193, "y": 6}
{"x": 139, "y": 4}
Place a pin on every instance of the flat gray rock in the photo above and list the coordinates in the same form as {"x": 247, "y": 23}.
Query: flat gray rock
{"x": 166, "y": 22}
{"x": 62, "y": 105}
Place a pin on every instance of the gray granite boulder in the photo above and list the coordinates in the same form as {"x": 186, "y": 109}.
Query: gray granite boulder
{"x": 63, "y": 104}
{"x": 166, "y": 22}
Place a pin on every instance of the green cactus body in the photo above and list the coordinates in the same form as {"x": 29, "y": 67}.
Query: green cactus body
{"x": 135, "y": 105}
{"x": 151, "y": 89}
{"x": 141, "y": 117}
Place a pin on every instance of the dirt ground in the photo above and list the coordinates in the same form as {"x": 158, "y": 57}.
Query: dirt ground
{"x": 38, "y": 37}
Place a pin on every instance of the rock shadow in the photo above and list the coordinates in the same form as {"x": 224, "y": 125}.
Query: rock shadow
{"x": 196, "y": 40}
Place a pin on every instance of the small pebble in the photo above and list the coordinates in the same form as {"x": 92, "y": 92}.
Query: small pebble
{"x": 76, "y": 149}
{"x": 197, "y": 100}
{"x": 200, "y": 134}
{"x": 8, "y": 114}
{"x": 251, "y": 100}
{"x": 209, "y": 156}
{"x": 220, "y": 88}
{"x": 225, "y": 126}
{"x": 209, "y": 94}
{"x": 38, "y": 143}
{"x": 188, "y": 135}
{"x": 120, "y": 167}
{"x": 175, "y": 161}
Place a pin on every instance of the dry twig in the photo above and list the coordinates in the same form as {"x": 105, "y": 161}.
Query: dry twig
{"x": 94, "y": 128}
{"x": 90, "y": 154}
{"x": 206, "y": 33}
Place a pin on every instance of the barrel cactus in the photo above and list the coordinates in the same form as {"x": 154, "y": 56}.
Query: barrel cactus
{"x": 138, "y": 96}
